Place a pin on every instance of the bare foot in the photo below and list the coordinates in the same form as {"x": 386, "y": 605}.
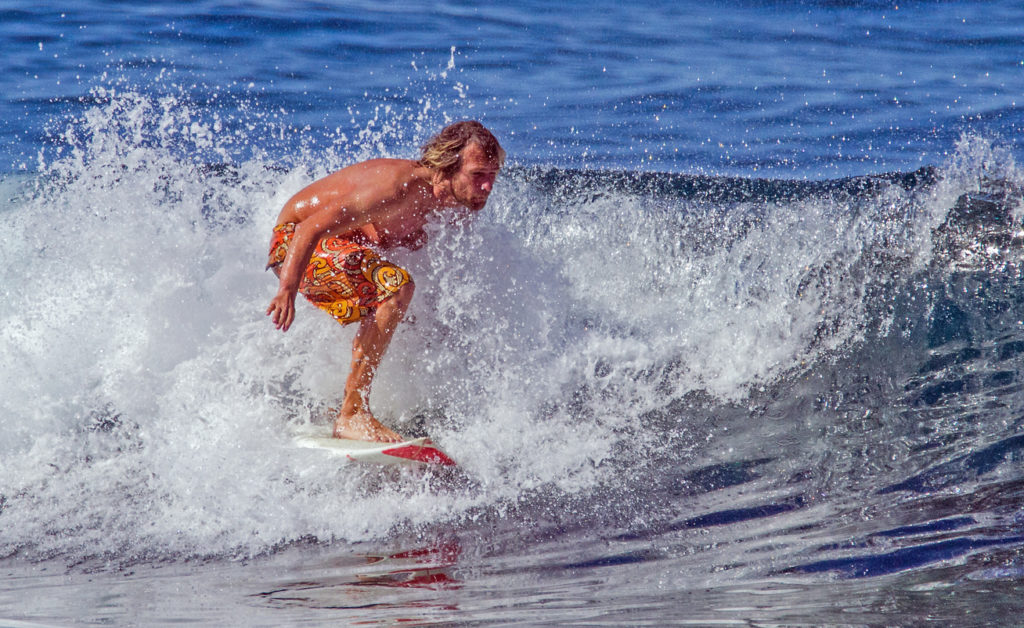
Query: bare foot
{"x": 363, "y": 426}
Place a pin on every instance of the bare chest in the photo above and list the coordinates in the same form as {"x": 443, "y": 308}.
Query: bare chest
{"x": 394, "y": 231}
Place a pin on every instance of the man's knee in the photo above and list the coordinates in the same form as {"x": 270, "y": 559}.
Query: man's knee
{"x": 399, "y": 300}
{"x": 406, "y": 291}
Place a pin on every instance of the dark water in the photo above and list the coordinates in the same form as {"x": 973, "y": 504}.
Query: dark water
{"x": 738, "y": 339}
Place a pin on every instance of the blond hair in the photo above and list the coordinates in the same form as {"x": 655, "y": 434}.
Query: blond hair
{"x": 441, "y": 152}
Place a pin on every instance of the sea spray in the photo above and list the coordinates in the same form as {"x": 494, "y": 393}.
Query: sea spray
{"x": 561, "y": 347}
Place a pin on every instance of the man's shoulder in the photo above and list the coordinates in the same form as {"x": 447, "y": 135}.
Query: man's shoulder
{"x": 398, "y": 177}
{"x": 386, "y": 164}
{"x": 383, "y": 171}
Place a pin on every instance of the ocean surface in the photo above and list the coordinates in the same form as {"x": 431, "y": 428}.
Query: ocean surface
{"x": 738, "y": 340}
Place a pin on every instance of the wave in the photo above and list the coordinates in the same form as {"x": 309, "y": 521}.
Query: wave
{"x": 595, "y": 337}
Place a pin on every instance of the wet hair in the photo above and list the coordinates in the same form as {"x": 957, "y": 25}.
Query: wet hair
{"x": 441, "y": 153}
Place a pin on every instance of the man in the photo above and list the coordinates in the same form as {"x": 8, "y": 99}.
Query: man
{"x": 329, "y": 238}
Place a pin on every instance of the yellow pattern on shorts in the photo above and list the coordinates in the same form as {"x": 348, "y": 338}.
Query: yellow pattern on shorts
{"x": 345, "y": 279}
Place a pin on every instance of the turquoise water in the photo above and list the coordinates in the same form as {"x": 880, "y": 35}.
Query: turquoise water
{"x": 738, "y": 339}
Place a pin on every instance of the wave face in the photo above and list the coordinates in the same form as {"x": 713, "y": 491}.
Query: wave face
{"x": 639, "y": 358}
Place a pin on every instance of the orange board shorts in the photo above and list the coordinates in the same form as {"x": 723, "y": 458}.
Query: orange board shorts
{"x": 343, "y": 278}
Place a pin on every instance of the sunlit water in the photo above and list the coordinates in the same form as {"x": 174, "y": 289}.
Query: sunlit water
{"x": 675, "y": 396}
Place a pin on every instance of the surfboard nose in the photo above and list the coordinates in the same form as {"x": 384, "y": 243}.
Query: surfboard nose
{"x": 425, "y": 453}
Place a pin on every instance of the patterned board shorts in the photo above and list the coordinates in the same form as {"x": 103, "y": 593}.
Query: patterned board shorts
{"x": 345, "y": 279}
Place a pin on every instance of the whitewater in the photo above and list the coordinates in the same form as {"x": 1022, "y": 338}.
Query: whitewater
{"x": 772, "y": 379}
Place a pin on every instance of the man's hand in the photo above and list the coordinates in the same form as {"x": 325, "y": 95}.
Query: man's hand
{"x": 282, "y": 309}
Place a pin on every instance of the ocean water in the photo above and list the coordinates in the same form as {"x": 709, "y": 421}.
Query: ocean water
{"x": 738, "y": 340}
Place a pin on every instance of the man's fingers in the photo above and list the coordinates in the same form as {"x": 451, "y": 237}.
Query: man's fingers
{"x": 287, "y": 315}
{"x": 281, "y": 316}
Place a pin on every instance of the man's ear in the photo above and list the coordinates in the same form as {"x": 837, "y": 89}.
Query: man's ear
{"x": 437, "y": 184}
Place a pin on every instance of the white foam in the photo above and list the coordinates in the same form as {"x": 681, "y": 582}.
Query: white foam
{"x": 148, "y": 401}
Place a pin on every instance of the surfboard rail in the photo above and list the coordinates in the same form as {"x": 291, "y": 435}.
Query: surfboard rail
{"x": 414, "y": 451}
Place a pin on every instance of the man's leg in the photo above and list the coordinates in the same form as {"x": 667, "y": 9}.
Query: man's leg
{"x": 355, "y": 421}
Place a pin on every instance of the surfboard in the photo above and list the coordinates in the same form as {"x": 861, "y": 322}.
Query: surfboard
{"x": 414, "y": 451}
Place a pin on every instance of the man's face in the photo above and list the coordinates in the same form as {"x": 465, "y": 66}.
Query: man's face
{"x": 472, "y": 183}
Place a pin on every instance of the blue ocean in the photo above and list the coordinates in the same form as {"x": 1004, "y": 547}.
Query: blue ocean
{"x": 738, "y": 340}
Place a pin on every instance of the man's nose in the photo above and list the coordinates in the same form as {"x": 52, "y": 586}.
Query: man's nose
{"x": 487, "y": 185}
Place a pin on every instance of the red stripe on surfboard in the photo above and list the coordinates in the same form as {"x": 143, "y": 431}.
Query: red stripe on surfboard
{"x": 420, "y": 454}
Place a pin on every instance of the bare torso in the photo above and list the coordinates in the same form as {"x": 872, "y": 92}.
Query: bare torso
{"x": 384, "y": 201}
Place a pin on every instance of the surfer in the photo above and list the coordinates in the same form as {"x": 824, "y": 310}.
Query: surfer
{"x": 330, "y": 239}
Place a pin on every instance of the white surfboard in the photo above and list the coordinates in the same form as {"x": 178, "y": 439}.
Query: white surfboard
{"x": 415, "y": 451}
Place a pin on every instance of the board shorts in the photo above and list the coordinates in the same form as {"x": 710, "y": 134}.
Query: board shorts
{"x": 344, "y": 278}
